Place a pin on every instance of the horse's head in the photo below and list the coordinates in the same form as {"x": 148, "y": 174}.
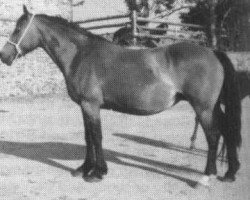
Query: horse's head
{"x": 23, "y": 39}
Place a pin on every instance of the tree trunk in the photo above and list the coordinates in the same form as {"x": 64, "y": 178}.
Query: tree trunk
{"x": 244, "y": 43}
{"x": 71, "y": 15}
{"x": 213, "y": 17}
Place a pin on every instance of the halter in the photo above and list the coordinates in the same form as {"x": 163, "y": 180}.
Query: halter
{"x": 17, "y": 45}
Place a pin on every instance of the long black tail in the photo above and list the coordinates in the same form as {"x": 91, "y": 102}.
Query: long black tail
{"x": 232, "y": 101}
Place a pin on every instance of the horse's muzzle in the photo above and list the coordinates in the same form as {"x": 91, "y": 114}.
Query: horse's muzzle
{"x": 4, "y": 59}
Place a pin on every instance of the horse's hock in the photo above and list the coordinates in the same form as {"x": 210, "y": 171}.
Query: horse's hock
{"x": 36, "y": 74}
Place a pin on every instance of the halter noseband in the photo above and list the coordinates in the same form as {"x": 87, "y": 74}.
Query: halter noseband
{"x": 17, "y": 45}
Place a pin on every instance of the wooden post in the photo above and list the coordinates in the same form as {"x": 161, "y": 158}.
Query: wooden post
{"x": 213, "y": 17}
{"x": 71, "y": 11}
{"x": 134, "y": 27}
{"x": 30, "y": 5}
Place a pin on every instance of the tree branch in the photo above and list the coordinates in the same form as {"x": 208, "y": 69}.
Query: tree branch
{"x": 225, "y": 16}
{"x": 162, "y": 15}
{"x": 80, "y": 3}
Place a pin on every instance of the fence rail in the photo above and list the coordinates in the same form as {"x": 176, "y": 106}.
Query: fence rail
{"x": 160, "y": 21}
{"x": 163, "y": 29}
{"x": 132, "y": 19}
{"x": 136, "y": 34}
{"x": 102, "y": 19}
{"x": 107, "y": 26}
{"x": 3, "y": 19}
{"x": 146, "y": 35}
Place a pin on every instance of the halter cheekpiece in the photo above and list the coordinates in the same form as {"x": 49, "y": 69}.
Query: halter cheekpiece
{"x": 17, "y": 45}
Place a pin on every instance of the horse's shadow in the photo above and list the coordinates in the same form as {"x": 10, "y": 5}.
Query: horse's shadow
{"x": 47, "y": 151}
{"x": 162, "y": 144}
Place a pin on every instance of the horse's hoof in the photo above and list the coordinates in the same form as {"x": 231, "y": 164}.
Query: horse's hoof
{"x": 92, "y": 179}
{"x": 206, "y": 181}
{"x": 94, "y": 175}
{"x": 78, "y": 172}
{"x": 227, "y": 178}
{"x": 90, "y": 174}
{"x": 104, "y": 171}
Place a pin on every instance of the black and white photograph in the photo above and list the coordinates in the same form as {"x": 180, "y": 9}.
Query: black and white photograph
{"x": 124, "y": 99}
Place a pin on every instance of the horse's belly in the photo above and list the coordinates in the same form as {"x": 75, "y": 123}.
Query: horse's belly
{"x": 157, "y": 98}
{"x": 144, "y": 101}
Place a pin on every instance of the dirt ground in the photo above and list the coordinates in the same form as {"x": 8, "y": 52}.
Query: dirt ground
{"x": 42, "y": 141}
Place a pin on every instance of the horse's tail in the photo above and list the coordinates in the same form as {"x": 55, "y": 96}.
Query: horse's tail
{"x": 232, "y": 101}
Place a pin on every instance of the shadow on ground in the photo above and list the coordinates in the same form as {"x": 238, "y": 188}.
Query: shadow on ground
{"x": 46, "y": 152}
{"x": 161, "y": 144}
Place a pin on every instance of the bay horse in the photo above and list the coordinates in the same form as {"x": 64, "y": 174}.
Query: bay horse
{"x": 102, "y": 75}
{"x": 244, "y": 87}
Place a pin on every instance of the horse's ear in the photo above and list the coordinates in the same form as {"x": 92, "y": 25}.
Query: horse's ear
{"x": 25, "y": 10}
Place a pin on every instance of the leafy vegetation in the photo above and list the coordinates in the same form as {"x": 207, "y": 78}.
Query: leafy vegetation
{"x": 225, "y": 21}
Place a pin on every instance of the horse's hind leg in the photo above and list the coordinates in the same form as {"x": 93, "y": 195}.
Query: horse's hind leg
{"x": 232, "y": 157}
{"x": 194, "y": 135}
{"x": 210, "y": 119}
{"x": 233, "y": 163}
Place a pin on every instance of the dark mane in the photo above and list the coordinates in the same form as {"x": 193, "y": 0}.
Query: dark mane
{"x": 60, "y": 20}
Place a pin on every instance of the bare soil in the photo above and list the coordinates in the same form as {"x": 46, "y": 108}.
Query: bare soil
{"x": 42, "y": 141}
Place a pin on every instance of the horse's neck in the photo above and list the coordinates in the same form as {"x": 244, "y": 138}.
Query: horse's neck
{"x": 61, "y": 49}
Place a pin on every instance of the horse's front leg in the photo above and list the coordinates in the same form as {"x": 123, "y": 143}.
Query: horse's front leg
{"x": 94, "y": 166}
